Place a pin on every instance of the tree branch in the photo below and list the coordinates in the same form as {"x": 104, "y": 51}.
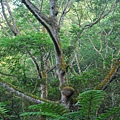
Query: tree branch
{"x": 35, "y": 11}
{"x": 64, "y": 11}
{"x": 12, "y": 18}
{"x": 102, "y": 15}
{"x": 44, "y": 20}
{"x": 8, "y": 23}
{"x": 35, "y": 62}
{"x": 110, "y": 76}
{"x": 27, "y": 96}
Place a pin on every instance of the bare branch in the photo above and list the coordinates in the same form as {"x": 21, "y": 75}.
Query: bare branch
{"x": 51, "y": 69}
{"x": 35, "y": 62}
{"x": 94, "y": 47}
{"x": 64, "y": 11}
{"x": 41, "y": 4}
{"x": 12, "y": 17}
{"x": 102, "y": 15}
{"x": 8, "y": 23}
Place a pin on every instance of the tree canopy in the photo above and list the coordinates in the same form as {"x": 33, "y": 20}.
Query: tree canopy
{"x": 59, "y": 59}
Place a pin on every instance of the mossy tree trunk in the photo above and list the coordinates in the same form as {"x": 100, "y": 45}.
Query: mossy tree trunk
{"x": 53, "y": 28}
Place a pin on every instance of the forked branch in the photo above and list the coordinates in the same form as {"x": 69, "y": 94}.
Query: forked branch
{"x": 44, "y": 20}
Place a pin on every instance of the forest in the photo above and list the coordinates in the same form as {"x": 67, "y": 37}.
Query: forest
{"x": 59, "y": 59}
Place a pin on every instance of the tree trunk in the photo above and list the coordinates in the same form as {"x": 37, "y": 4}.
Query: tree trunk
{"x": 13, "y": 27}
{"x": 51, "y": 25}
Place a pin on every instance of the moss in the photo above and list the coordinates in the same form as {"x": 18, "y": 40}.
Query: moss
{"x": 67, "y": 91}
{"x": 20, "y": 90}
{"x": 109, "y": 75}
{"x": 68, "y": 88}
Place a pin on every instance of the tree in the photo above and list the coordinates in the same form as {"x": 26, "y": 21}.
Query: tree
{"x": 53, "y": 26}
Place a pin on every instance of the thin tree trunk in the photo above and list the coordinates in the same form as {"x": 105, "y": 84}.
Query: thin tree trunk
{"x": 13, "y": 28}
{"x": 13, "y": 19}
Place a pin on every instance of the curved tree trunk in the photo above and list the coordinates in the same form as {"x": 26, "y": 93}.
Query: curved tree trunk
{"x": 51, "y": 25}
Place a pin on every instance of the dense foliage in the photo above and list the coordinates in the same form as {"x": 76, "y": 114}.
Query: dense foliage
{"x": 90, "y": 42}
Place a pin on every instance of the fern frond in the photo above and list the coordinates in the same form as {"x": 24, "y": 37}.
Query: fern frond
{"x": 40, "y": 113}
{"x": 2, "y": 108}
{"x": 53, "y": 110}
{"x": 74, "y": 116}
{"x": 90, "y": 101}
{"x": 30, "y": 113}
{"x": 50, "y": 107}
{"x": 112, "y": 111}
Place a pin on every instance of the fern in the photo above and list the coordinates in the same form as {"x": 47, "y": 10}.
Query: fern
{"x": 73, "y": 116}
{"x": 90, "y": 101}
{"x": 2, "y": 109}
{"x": 48, "y": 109}
{"x": 109, "y": 113}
